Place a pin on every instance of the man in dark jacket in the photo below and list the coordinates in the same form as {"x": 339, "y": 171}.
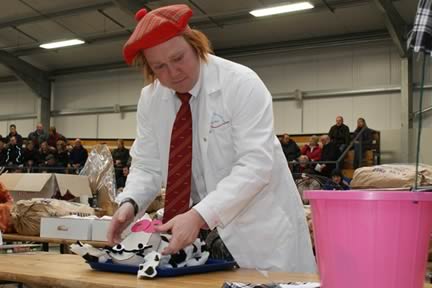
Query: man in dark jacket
{"x": 2, "y": 153}
{"x": 78, "y": 155}
{"x": 329, "y": 152}
{"x": 14, "y": 133}
{"x": 38, "y": 136}
{"x": 31, "y": 157}
{"x": 290, "y": 148}
{"x": 363, "y": 142}
{"x": 14, "y": 153}
{"x": 340, "y": 134}
{"x": 121, "y": 154}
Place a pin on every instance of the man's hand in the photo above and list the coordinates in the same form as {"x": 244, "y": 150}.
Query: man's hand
{"x": 184, "y": 229}
{"x": 121, "y": 219}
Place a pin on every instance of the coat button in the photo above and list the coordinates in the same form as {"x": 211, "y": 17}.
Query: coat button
{"x": 205, "y": 139}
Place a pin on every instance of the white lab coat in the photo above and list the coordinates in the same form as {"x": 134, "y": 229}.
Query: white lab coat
{"x": 251, "y": 196}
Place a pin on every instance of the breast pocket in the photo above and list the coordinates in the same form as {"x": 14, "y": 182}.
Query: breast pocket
{"x": 221, "y": 148}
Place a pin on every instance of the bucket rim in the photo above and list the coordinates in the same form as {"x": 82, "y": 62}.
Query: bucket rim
{"x": 369, "y": 195}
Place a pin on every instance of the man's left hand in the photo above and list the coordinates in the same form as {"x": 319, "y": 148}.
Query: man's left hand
{"x": 184, "y": 229}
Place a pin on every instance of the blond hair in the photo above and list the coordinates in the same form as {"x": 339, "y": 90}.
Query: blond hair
{"x": 196, "y": 39}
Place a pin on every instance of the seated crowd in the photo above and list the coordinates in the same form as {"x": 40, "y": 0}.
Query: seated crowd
{"x": 310, "y": 157}
{"x": 51, "y": 152}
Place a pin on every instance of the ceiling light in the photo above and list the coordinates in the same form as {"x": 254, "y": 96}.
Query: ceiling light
{"x": 282, "y": 9}
{"x": 60, "y": 44}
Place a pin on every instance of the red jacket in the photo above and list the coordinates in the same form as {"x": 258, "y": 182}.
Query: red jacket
{"x": 313, "y": 155}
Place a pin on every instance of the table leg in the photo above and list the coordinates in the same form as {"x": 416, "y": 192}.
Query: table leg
{"x": 45, "y": 247}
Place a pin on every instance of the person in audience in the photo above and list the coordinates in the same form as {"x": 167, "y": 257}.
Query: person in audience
{"x": 78, "y": 155}
{"x": 337, "y": 181}
{"x": 44, "y": 151}
{"x": 340, "y": 134}
{"x": 120, "y": 154}
{"x": 63, "y": 159}
{"x": 329, "y": 152}
{"x": 302, "y": 167}
{"x": 312, "y": 150}
{"x": 120, "y": 157}
{"x": 14, "y": 153}
{"x": 13, "y": 133}
{"x": 121, "y": 181}
{"x": 51, "y": 165}
{"x": 31, "y": 157}
{"x": 54, "y": 136}
{"x": 38, "y": 136}
{"x": 363, "y": 143}
{"x": 3, "y": 153}
{"x": 290, "y": 148}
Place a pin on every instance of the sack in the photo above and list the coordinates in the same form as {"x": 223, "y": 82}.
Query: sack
{"x": 391, "y": 176}
{"x": 27, "y": 214}
{"x": 6, "y": 203}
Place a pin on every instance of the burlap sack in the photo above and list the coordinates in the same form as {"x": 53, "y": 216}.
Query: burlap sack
{"x": 6, "y": 203}
{"x": 391, "y": 176}
{"x": 27, "y": 214}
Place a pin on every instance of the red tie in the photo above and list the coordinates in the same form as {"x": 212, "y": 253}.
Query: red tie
{"x": 178, "y": 188}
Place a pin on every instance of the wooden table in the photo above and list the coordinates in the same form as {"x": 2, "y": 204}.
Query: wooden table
{"x": 46, "y": 241}
{"x": 71, "y": 271}
{"x": 57, "y": 270}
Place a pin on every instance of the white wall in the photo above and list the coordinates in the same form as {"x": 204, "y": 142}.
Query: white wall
{"x": 343, "y": 68}
{"x": 97, "y": 90}
{"x": 17, "y": 98}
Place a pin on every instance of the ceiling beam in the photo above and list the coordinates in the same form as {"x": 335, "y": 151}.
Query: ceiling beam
{"x": 131, "y": 6}
{"x": 395, "y": 24}
{"x": 10, "y": 78}
{"x": 56, "y": 14}
{"x": 35, "y": 78}
{"x": 321, "y": 42}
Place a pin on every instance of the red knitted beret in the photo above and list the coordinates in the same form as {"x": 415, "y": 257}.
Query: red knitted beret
{"x": 156, "y": 27}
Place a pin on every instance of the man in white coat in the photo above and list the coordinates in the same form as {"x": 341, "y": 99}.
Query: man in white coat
{"x": 236, "y": 176}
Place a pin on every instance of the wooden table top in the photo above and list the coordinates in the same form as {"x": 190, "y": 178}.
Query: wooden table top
{"x": 18, "y": 237}
{"x": 65, "y": 270}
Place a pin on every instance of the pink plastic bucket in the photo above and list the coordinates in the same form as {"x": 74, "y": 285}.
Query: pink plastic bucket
{"x": 371, "y": 239}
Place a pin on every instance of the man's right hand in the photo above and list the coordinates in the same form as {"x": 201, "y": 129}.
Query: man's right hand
{"x": 121, "y": 219}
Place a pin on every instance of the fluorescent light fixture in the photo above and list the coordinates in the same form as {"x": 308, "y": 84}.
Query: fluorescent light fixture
{"x": 282, "y": 9}
{"x": 60, "y": 44}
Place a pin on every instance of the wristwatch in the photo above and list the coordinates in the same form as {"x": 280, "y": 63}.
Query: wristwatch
{"x": 134, "y": 204}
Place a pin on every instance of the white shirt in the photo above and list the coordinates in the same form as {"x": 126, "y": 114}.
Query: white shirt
{"x": 198, "y": 190}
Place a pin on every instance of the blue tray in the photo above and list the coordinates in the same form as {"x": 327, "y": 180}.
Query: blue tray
{"x": 210, "y": 266}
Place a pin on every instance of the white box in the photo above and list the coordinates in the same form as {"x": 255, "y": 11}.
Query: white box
{"x": 66, "y": 228}
{"x": 100, "y": 229}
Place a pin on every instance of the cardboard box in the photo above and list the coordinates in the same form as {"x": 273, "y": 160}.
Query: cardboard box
{"x": 100, "y": 229}
{"x": 66, "y": 228}
{"x": 45, "y": 185}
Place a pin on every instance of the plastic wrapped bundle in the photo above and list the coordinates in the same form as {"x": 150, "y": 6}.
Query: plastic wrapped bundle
{"x": 27, "y": 214}
{"x": 99, "y": 167}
